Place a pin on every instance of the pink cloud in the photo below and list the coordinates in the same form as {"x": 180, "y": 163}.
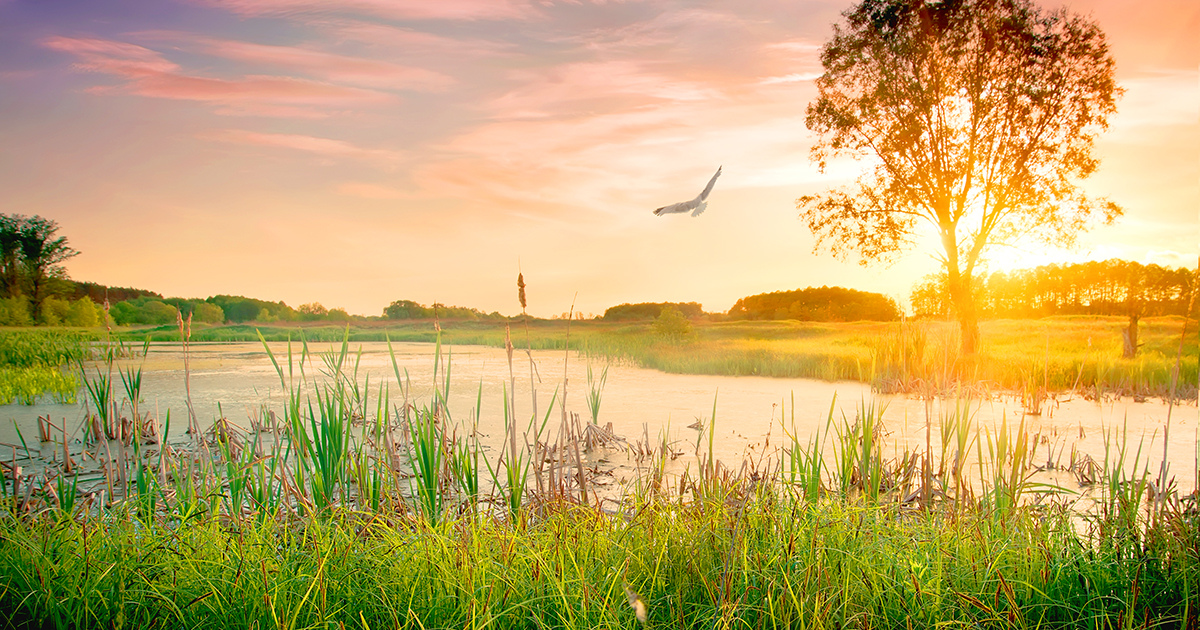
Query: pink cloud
{"x": 573, "y": 86}
{"x": 326, "y": 147}
{"x": 334, "y": 68}
{"x": 411, "y": 42}
{"x": 389, "y": 9}
{"x": 148, "y": 73}
{"x": 111, "y": 57}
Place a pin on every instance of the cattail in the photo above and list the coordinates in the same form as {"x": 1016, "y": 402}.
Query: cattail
{"x": 521, "y": 289}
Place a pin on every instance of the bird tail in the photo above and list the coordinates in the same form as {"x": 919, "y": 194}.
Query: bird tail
{"x": 700, "y": 209}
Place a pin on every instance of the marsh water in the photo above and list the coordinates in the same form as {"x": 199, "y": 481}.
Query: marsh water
{"x": 755, "y": 416}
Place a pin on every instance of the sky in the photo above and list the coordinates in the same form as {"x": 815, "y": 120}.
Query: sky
{"x": 357, "y": 152}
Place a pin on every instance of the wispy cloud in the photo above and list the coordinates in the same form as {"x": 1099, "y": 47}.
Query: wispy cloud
{"x": 387, "y": 9}
{"x": 313, "y": 63}
{"x": 409, "y": 42}
{"x": 146, "y": 72}
{"x": 566, "y": 88}
{"x": 795, "y": 77}
{"x": 1157, "y": 99}
{"x": 325, "y": 147}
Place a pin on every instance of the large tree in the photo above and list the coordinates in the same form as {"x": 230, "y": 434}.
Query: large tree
{"x": 42, "y": 252}
{"x": 975, "y": 117}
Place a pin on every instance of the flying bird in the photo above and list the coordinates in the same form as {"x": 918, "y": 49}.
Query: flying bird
{"x": 695, "y": 206}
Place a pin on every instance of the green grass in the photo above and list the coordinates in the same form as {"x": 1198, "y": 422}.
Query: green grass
{"x": 743, "y": 557}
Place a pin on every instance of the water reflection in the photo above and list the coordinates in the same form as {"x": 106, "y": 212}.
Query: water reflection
{"x": 238, "y": 380}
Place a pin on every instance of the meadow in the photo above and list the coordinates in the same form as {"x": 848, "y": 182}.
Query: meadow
{"x": 361, "y": 507}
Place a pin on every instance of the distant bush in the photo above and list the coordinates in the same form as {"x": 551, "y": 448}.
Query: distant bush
{"x": 14, "y": 311}
{"x": 208, "y": 313}
{"x": 240, "y": 309}
{"x": 143, "y": 311}
{"x": 652, "y": 310}
{"x": 408, "y": 309}
{"x": 84, "y": 312}
{"x": 54, "y": 311}
{"x": 672, "y": 325}
{"x": 824, "y": 304}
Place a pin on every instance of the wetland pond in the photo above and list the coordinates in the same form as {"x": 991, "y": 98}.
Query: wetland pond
{"x": 754, "y": 415}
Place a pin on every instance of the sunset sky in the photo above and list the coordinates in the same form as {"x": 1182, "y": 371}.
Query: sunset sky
{"x": 356, "y": 152}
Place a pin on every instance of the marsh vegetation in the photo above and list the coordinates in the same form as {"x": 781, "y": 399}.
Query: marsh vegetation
{"x": 366, "y": 500}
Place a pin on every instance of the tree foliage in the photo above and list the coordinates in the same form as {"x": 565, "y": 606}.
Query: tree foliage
{"x": 408, "y": 309}
{"x": 99, "y": 293}
{"x": 239, "y": 309}
{"x": 1110, "y": 287}
{"x": 672, "y": 325}
{"x": 976, "y": 118}
{"x": 652, "y": 310}
{"x": 823, "y": 304}
{"x": 31, "y": 257}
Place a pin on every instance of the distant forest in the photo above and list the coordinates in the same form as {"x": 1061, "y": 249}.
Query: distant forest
{"x": 817, "y": 304}
{"x": 1111, "y": 287}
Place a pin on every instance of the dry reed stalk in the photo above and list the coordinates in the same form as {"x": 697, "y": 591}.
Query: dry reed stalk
{"x": 512, "y": 398}
{"x": 576, "y": 434}
{"x": 185, "y": 334}
{"x": 565, "y": 420}
{"x": 68, "y": 464}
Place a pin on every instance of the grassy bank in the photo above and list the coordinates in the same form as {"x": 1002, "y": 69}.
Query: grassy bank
{"x": 359, "y": 508}
{"x": 738, "y": 558}
{"x": 1047, "y": 355}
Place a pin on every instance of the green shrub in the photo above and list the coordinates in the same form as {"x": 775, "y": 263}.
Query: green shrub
{"x": 208, "y": 313}
{"x": 84, "y": 312}
{"x": 14, "y": 311}
{"x": 672, "y": 325}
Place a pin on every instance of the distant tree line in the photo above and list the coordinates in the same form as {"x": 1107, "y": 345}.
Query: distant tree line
{"x": 1111, "y": 287}
{"x": 408, "y": 309}
{"x": 651, "y": 310}
{"x": 100, "y": 293}
{"x": 819, "y": 304}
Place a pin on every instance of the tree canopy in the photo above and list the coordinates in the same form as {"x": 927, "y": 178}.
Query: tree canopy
{"x": 823, "y": 304}
{"x": 651, "y": 310}
{"x": 1110, "y": 287}
{"x": 974, "y": 117}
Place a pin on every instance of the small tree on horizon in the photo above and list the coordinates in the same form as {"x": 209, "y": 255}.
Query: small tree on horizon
{"x": 978, "y": 119}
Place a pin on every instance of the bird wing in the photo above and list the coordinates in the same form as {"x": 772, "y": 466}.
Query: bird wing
{"x": 695, "y": 206}
{"x": 709, "y": 187}
{"x": 683, "y": 206}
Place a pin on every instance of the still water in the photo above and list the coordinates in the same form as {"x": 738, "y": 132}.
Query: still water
{"x": 753, "y": 414}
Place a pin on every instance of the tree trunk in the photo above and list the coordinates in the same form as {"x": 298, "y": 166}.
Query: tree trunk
{"x": 964, "y": 309}
{"x": 1130, "y": 337}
